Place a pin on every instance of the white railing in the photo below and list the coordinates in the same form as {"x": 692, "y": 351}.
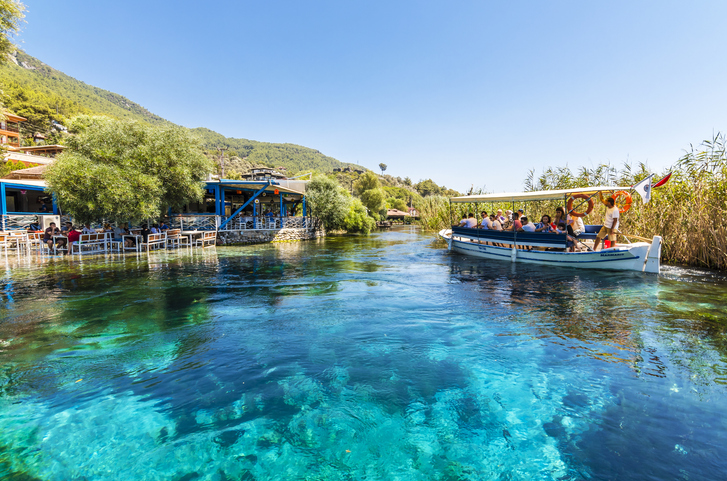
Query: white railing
{"x": 193, "y": 222}
{"x": 17, "y": 221}
{"x": 240, "y": 222}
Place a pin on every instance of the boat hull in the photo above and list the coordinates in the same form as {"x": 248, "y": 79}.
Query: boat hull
{"x": 627, "y": 257}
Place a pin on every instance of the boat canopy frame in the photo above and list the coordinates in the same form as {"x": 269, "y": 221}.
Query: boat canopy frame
{"x": 534, "y": 195}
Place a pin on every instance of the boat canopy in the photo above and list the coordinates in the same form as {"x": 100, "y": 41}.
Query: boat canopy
{"x": 535, "y": 195}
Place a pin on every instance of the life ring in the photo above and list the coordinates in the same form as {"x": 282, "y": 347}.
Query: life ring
{"x": 627, "y": 202}
{"x": 580, "y": 196}
{"x": 621, "y": 207}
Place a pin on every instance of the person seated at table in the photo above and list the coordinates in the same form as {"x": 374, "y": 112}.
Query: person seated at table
{"x": 87, "y": 229}
{"x": 34, "y": 227}
{"x": 527, "y": 226}
{"x": 107, "y": 228}
{"x": 155, "y": 229}
{"x": 51, "y": 231}
{"x": 66, "y": 228}
{"x": 43, "y": 208}
{"x": 120, "y": 231}
{"x": 73, "y": 235}
{"x": 163, "y": 227}
{"x": 145, "y": 231}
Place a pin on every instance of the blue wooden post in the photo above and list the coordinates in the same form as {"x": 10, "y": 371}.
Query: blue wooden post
{"x": 281, "y": 209}
{"x": 305, "y": 213}
{"x": 254, "y": 215}
{"x": 3, "y": 206}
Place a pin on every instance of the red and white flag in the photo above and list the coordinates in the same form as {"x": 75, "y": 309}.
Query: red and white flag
{"x": 644, "y": 189}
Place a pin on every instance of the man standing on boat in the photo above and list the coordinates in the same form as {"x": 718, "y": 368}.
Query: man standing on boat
{"x": 610, "y": 224}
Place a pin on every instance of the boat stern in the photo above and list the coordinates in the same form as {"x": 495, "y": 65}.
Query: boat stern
{"x": 653, "y": 257}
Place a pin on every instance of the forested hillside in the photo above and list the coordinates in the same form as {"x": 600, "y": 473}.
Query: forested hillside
{"x": 42, "y": 94}
{"x": 48, "y": 97}
{"x": 294, "y": 158}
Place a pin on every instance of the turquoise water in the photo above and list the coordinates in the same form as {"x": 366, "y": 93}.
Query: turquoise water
{"x": 357, "y": 358}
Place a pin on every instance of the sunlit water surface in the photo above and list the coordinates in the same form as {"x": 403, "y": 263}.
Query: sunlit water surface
{"x": 357, "y": 358}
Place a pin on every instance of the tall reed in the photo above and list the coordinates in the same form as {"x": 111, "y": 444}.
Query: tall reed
{"x": 689, "y": 211}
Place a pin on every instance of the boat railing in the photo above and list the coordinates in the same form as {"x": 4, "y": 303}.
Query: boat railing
{"x": 510, "y": 238}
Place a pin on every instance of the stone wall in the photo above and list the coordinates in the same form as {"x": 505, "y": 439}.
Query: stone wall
{"x": 237, "y": 237}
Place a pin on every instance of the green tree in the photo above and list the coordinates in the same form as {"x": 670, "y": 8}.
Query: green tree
{"x": 328, "y": 201}
{"x": 382, "y": 166}
{"x": 428, "y": 187}
{"x": 357, "y": 220}
{"x": 123, "y": 170}
{"x": 368, "y": 189}
{"x": 11, "y": 15}
{"x": 395, "y": 203}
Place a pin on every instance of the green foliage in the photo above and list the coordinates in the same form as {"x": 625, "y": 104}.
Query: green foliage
{"x": 7, "y": 167}
{"x": 394, "y": 203}
{"x": 689, "y": 211}
{"x": 357, "y": 220}
{"x": 126, "y": 170}
{"x": 294, "y": 158}
{"x": 11, "y": 15}
{"x": 382, "y": 166}
{"x": 368, "y": 189}
{"x": 428, "y": 187}
{"x": 27, "y": 80}
{"x": 329, "y": 202}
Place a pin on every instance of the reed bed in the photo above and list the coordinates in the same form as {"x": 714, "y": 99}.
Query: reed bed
{"x": 689, "y": 211}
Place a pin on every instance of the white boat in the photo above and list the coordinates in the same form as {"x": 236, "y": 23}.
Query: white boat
{"x": 643, "y": 255}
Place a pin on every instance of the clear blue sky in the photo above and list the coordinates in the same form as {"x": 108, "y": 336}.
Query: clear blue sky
{"x": 468, "y": 92}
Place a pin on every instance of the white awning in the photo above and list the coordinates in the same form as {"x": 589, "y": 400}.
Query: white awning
{"x": 535, "y": 195}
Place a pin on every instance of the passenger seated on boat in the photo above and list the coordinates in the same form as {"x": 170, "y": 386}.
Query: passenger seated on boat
{"x": 544, "y": 225}
{"x": 559, "y": 216}
{"x": 485, "y": 224}
{"x": 495, "y": 222}
{"x": 469, "y": 221}
{"x": 576, "y": 223}
{"x": 527, "y": 226}
{"x": 500, "y": 217}
{"x": 516, "y": 225}
{"x": 520, "y": 214}
{"x": 570, "y": 241}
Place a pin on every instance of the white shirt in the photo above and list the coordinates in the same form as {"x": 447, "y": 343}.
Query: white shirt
{"x": 495, "y": 225}
{"x": 529, "y": 227}
{"x": 611, "y": 217}
{"x": 471, "y": 222}
{"x": 88, "y": 230}
{"x": 577, "y": 224}
{"x": 486, "y": 223}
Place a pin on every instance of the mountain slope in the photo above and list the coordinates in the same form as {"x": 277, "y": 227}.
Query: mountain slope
{"x": 42, "y": 94}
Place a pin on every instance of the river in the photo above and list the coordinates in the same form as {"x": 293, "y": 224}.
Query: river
{"x": 351, "y": 358}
